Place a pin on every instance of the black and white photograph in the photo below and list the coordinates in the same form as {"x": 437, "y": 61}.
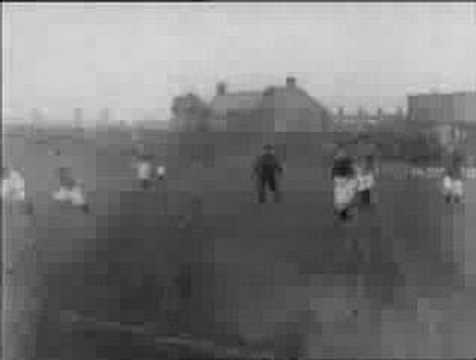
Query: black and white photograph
{"x": 238, "y": 180}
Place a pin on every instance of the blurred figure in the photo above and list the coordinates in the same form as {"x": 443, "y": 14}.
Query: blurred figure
{"x": 78, "y": 196}
{"x": 366, "y": 168}
{"x": 366, "y": 179}
{"x": 161, "y": 172}
{"x": 66, "y": 183}
{"x": 162, "y": 186}
{"x": 143, "y": 166}
{"x": 267, "y": 170}
{"x": 345, "y": 183}
{"x": 13, "y": 185}
{"x": 54, "y": 152}
{"x": 453, "y": 179}
{"x": 71, "y": 190}
{"x": 13, "y": 189}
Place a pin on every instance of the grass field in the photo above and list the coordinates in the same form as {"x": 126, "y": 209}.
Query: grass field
{"x": 274, "y": 277}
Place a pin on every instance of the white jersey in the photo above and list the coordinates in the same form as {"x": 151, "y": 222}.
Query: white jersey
{"x": 161, "y": 171}
{"x": 344, "y": 191}
{"x": 144, "y": 170}
{"x": 452, "y": 186}
{"x": 13, "y": 186}
{"x": 75, "y": 195}
{"x": 366, "y": 180}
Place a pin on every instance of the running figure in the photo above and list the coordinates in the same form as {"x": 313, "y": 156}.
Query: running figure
{"x": 267, "y": 170}
{"x": 345, "y": 184}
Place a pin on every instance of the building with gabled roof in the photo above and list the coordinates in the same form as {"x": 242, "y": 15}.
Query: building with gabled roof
{"x": 222, "y": 104}
{"x": 285, "y": 108}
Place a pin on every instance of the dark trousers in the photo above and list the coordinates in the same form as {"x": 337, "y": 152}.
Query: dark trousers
{"x": 365, "y": 197}
{"x": 272, "y": 184}
{"x": 345, "y": 213}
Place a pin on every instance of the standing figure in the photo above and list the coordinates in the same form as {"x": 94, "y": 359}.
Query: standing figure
{"x": 345, "y": 184}
{"x": 267, "y": 171}
{"x": 453, "y": 179}
{"x": 13, "y": 189}
{"x": 160, "y": 172}
{"x": 366, "y": 180}
{"x": 144, "y": 170}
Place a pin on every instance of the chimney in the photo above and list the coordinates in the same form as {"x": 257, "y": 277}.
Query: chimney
{"x": 291, "y": 82}
{"x": 221, "y": 88}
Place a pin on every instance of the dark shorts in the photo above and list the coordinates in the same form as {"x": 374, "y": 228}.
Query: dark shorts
{"x": 365, "y": 196}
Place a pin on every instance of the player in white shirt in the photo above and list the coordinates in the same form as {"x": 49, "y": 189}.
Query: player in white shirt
{"x": 71, "y": 190}
{"x": 144, "y": 169}
{"x": 14, "y": 190}
{"x": 366, "y": 180}
{"x": 161, "y": 172}
{"x": 345, "y": 184}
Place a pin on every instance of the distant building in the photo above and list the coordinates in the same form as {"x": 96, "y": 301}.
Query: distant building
{"x": 78, "y": 119}
{"x": 457, "y": 107}
{"x": 360, "y": 119}
{"x": 151, "y": 124}
{"x": 105, "y": 116}
{"x": 276, "y": 109}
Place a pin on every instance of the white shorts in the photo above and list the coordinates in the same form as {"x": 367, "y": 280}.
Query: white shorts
{"x": 62, "y": 194}
{"x": 365, "y": 182}
{"x": 144, "y": 171}
{"x": 13, "y": 189}
{"x": 344, "y": 192}
{"x": 18, "y": 195}
{"x": 160, "y": 171}
{"x": 452, "y": 186}
{"x": 75, "y": 196}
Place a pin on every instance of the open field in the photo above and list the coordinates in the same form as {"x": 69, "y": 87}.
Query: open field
{"x": 275, "y": 277}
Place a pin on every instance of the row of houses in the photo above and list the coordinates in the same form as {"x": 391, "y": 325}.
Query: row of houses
{"x": 458, "y": 107}
{"x": 286, "y": 108}
{"x": 289, "y": 108}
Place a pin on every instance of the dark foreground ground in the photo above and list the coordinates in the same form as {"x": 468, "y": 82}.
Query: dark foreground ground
{"x": 274, "y": 279}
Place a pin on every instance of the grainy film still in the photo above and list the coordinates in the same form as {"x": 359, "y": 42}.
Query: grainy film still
{"x": 238, "y": 181}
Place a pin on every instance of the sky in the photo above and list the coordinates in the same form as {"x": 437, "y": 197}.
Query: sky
{"x": 135, "y": 57}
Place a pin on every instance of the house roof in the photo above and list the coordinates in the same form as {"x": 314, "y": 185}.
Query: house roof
{"x": 244, "y": 100}
{"x": 276, "y": 97}
{"x": 292, "y": 98}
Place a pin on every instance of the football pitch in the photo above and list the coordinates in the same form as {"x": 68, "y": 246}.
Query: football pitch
{"x": 197, "y": 255}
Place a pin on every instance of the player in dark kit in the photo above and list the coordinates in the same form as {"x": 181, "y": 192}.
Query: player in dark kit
{"x": 267, "y": 170}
